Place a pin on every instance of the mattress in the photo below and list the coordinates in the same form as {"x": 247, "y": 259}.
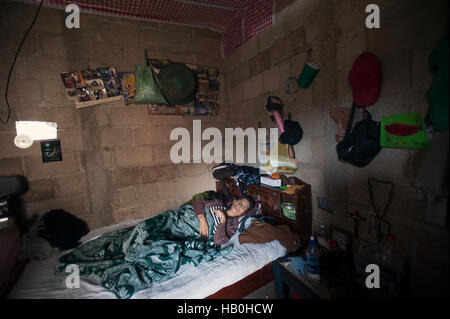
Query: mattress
{"x": 38, "y": 280}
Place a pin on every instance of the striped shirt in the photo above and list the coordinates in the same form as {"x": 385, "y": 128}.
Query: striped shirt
{"x": 215, "y": 217}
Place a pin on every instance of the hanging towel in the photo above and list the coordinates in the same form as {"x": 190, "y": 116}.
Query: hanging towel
{"x": 432, "y": 179}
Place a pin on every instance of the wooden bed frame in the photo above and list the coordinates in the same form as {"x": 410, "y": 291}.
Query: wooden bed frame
{"x": 270, "y": 199}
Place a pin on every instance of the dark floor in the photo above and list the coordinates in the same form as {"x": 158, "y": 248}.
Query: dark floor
{"x": 265, "y": 292}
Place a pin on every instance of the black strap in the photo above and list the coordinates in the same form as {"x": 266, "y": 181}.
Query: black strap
{"x": 350, "y": 120}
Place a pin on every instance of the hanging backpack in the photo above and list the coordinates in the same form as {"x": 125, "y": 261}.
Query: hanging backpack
{"x": 360, "y": 145}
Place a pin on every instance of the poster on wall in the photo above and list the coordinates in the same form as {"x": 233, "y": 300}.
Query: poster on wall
{"x": 51, "y": 151}
{"x": 92, "y": 84}
{"x": 206, "y": 101}
{"x": 128, "y": 84}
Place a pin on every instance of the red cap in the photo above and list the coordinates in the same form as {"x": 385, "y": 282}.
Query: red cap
{"x": 365, "y": 79}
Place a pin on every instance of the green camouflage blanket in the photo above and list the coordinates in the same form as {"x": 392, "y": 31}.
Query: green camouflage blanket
{"x": 131, "y": 259}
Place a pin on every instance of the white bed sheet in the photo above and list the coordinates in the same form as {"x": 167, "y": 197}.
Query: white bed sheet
{"x": 39, "y": 281}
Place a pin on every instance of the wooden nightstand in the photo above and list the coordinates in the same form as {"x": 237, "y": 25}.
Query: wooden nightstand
{"x": 287, "y": 280}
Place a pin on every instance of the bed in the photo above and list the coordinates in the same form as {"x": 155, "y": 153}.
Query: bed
{"x": 235, "y": 275}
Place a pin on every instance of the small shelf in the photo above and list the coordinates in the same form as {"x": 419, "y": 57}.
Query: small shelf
{"x": 80, "y": 105}
{"x": 176, "y": 110}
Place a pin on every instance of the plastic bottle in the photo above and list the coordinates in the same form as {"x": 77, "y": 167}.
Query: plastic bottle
{"x": 312, "y": 260}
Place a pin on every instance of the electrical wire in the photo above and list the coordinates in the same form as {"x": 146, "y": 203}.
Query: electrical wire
{"x": 14, "y": 63}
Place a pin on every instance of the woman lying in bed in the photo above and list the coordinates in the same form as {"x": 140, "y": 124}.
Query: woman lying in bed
{"x": 129, "y": 260}
{"x": 225, "y": 219}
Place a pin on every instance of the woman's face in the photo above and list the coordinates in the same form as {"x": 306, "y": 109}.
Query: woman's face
{"x": 238, "y": 207}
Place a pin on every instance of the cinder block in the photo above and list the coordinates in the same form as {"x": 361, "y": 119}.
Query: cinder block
{"x": 122, "y": 214}
{"x": 155, "y": 173}
{"x": 116, "y": 137}
{"x": 70, "y": 140}
{"x": 35, "y": 168}
{"x": 7, "y": 145}
{"x": 65, "y": 117}
{"x": 318, "y": 152}
{"x": 129, "y": 116}
{"x": 141, "y": 155}
{"x": 101, "y": 115}
{"x": 275, "y": 77}
{"x": 396, "y": 74}
{"x": 139, "y": 195}
{"x": 248, "y": 49}
{"x": 107, "y": 158}
{"x": 282, "y": 50}
{"x": 312, "y": 121}
{"x": 70, "y": 185}
{"x": 303, "y": 151}
{"x": 41, "y": 189}
{"x": 161, "y": 154}
{"x": 295, "y": 14}
{"x": 349, "y": 46}
{"x": 235, "y": 94}
{"x": 343, "y": 87}
{"x": 232, "y": 61}
{"x": 241, "y": 73}
{"x": 270, "y": 36}
{"x": 348, "y": 14}
{"x": 54, "y": 46}
{"x": 122, "y": 177}
{"x": 253, "y": 86}
{"x": 152, "y": 135}
{"x": 32, "y": 97}
{"x": 11, "y": 166}
{"x": 260, "y": 62}
{"x": 170, "y": 121}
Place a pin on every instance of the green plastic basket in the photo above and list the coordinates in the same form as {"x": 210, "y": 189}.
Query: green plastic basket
{"x": 288, "y": 210}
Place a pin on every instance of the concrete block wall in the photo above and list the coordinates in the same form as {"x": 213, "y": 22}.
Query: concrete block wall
{"x": 259, "y": 68}
{"x": 116, "y": 161}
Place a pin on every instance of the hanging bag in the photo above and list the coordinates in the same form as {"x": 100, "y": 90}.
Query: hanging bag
{"x": 148, "y": 89}
{"x": 360, "y": 145}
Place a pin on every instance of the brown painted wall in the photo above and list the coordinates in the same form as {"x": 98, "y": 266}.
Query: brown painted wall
{"x": 409, "y": 31}
{"x": 116, "y": 161}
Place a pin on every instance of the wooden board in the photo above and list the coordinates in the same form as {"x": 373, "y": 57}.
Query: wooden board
{"x": 80, "y": 105}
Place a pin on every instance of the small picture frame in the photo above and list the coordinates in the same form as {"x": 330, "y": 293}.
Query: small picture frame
{"x": 341, "y": 237}
{"x": 325, "y": 204}
{"x": 51, "y": 151}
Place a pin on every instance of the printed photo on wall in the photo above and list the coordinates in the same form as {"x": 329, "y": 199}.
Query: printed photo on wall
{"x": 111, "y": 81}
{"x": 128, "y": 85}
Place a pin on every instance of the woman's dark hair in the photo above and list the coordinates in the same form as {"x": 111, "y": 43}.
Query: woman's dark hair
{"x": 251, "y": 202}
